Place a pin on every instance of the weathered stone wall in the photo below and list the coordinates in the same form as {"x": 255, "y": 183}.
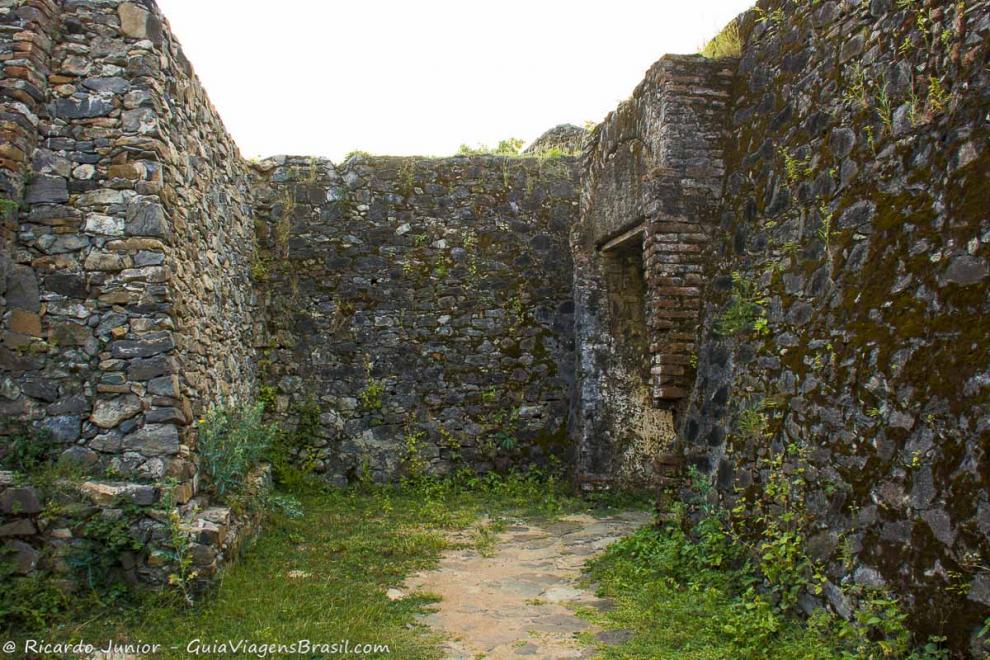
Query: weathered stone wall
{"x": 856, "y": 220}
{"x": 422, "y": 309}
{"x": 127, "y": 303}
{"x": 651, "y": 187}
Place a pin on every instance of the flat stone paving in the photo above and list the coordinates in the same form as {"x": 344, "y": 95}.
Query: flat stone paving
{"x": 514, "y": 604}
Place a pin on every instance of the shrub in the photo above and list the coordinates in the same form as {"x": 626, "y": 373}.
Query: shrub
{"x": 232, "y": 441}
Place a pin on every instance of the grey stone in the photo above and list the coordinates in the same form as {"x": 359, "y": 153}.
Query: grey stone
{"x": 45, "y": 189}
{"x": 111, "y": 84}
{"x": 80, "y": 456}
{"x": 153, "y": 440}
{"x": 979, "y": 589}
{"x": 842, "y": 141}
{"x": 22, "y": 289}
{"x": 858, "y": 215}
{"x": 64, "y": 428}
{"x": 20, "y": 501}
{"x": 941, "y": 525}
{"x": 148, "y": 368}
{"x": 145, "y": 217}
{"x": 19, "y": 527}
{"x": 966, "y": 270}
{"x": 869, "y": 577}
{"x": 108, "y": 413}
{"x": 82, "y": 108}
{"x": 152, "y": 345}
{"x": 25, "y": 558}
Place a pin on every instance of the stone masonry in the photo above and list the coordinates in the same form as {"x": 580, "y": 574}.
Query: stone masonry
{"x": 778, "y": 259}
{"x": 649, "y": 206}
{"x": 423, "y": 307}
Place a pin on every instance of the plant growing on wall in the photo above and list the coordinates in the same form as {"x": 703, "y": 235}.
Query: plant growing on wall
{"x": 374, "y": 389}
{"x": 24, "y": 448}
{"x": 745, "y": 312}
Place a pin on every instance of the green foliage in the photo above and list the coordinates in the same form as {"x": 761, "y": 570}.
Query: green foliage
{"x": 8, "y": 208}
{"x": 507, "y": 147}
{"x": 413, "y": 461}
{"x": 259, "y": 270}
{"x": 28, "y": 603}
{"x": 232, "y": 442}
{"x": 727, "y": 43}
{"x": 267, "y": 396}
{"x": 938, "y": 96}
{"x": 371, "y": 395}
{"x": 357, "y": 153}
{"x": 773, "y": 17}
{"x": 795, "y": 168}
{"x": 25, "y": 448}
{"x": 177, "y": 548}
{"x": 697, "y": 593}
{"x": 745, "y": 312}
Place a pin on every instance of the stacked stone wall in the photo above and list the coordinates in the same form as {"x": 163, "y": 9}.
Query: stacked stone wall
{"x": 126, "y": 299}
{"x": 421, "y": 309}
{"x": 856, "y": 222}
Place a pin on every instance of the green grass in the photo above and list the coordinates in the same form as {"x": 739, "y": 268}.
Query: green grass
{"x": 727, "y": 43}
{"x": 323, "y": 576}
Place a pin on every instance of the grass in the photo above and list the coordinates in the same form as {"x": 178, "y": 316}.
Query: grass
{"x": 323, "y": 576}
{"x": 727, "y": 43}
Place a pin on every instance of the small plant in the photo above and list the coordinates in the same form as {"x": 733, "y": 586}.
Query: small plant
{"x": 825, "y": 228}
{"x": 232, "y": 441}
{"x": 938, "y": 97}
{"x": 490, "y": 395}
{"x": 413, "y": 460}
{"x": 177, "y": 551}
{"x": 795, "y": 168}
{"x": 374, "y": 389}
{"x": 772, "y": 17}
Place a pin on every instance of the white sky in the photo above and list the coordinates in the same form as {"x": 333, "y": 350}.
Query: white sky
{"x": 420, "y": 77}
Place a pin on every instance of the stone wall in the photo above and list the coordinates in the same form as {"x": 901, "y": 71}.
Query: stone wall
{"x": 651, "y": 185}
{"x": 421, "y": 308}
{"x": 845, "y": 326}
{"x": 126, "y": 300}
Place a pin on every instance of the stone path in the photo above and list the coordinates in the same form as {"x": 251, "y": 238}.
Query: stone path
{"x": 513, "y": 604}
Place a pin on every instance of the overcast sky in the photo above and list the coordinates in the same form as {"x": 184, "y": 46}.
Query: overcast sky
{"x": 420, "y": 77}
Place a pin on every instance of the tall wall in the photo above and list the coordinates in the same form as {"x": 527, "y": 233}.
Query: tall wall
{"x": 650, "y": 192}
{"x": 126, "y": 301}
{"x": 422, "y": 308}
{"x": 856, "y": 221}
